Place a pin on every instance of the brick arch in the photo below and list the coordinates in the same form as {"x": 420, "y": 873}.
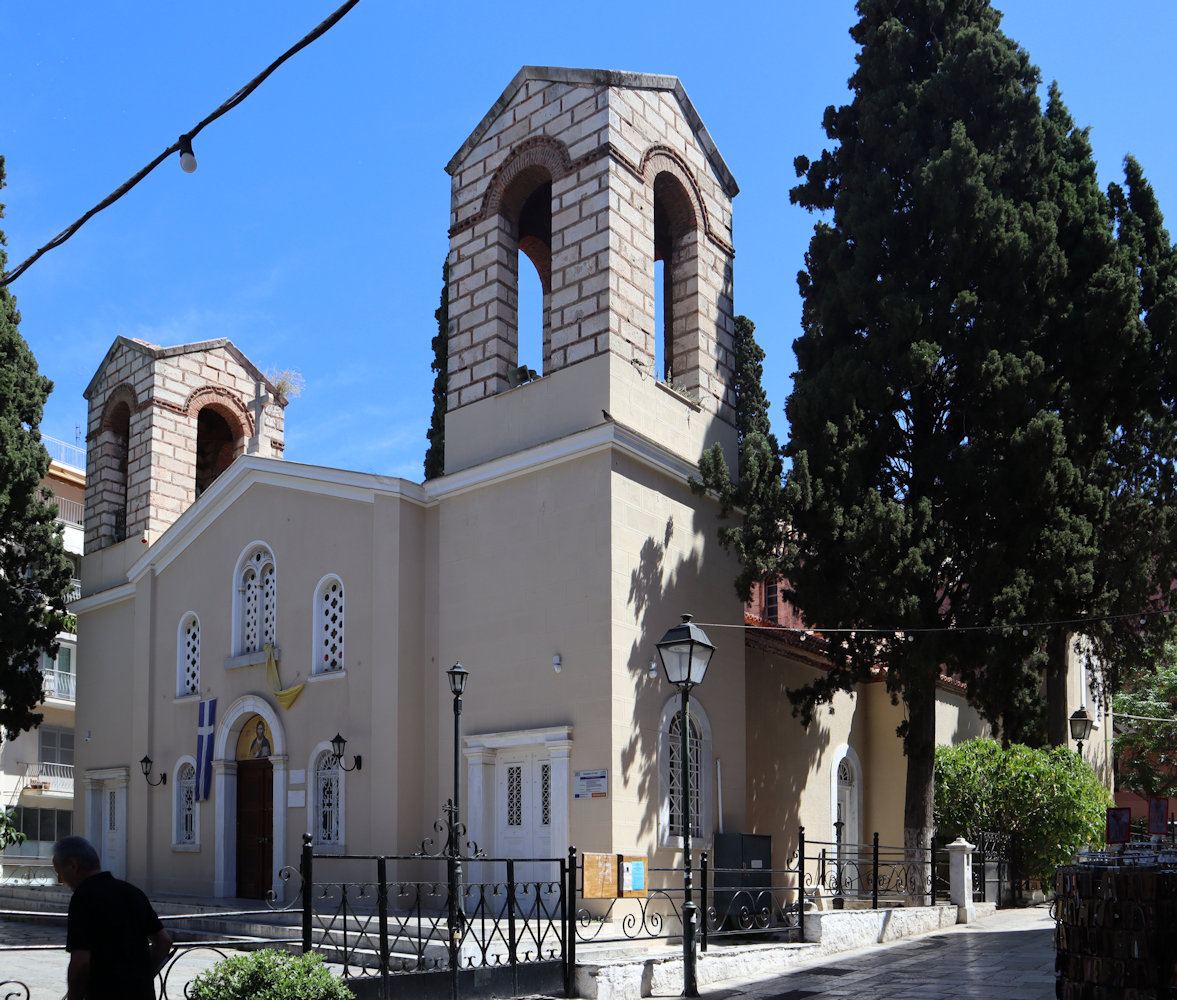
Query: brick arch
{"x": 530, "y": 163}
{"x": 226, "y": 403}
{"x": 684, "y": 201}
{"x": 122, "y": 393}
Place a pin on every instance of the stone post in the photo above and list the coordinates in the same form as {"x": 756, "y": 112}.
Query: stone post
{"x": 960, "y": 879}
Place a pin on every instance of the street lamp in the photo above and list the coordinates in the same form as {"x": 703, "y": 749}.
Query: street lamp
{"x": 685, "y": 652}
{"x": 1081, "y": 725}
{"x": 457, "y": 675}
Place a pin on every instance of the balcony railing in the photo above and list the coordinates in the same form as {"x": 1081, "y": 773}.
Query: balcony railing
{"x": 49, "y": 777}
{"x": 66, "y": 454}
{"x": 58, "y": 684}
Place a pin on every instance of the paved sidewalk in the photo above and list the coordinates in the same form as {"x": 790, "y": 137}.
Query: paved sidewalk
{"x": 1009, "y": 955}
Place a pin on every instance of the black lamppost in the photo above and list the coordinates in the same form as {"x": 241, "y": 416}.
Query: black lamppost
{"x": 457, "y": 675}
{"x": 685, "y": 652}
{"x": 1081, "y": 726}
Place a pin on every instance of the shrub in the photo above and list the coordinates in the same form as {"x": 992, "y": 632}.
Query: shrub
{"x": 1049, "y": 799}
{"x": 269, "y": 975}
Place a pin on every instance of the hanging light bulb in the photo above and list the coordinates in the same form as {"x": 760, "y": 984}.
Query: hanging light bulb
{"x": 187, "y": 157}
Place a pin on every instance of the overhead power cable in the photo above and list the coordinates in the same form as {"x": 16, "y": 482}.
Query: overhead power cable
{"x": 183, "y": 145}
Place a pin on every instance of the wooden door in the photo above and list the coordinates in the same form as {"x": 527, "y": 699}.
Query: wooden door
{"x": 255, "y": 828}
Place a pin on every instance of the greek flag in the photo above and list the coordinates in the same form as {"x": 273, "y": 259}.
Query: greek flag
{"x": 205, "y": 727}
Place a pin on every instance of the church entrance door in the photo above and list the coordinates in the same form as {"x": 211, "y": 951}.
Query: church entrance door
{"x": 255, "y": 828}
{"x": 524, "y": 810}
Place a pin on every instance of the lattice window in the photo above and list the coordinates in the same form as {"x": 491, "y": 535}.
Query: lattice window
{"x": 694, "y": 760}
{"x": 258, "y": 593}
{"x": 329, "y": 636}
{"x": 112, "y": 812}
{"x": 545, "y": 781}
{"x": 845, "y": 773}
{"x": 188, "y": 658}
{"x": 515, "y": 795}
{"x": 328, "y": 811}
{"x": 186, "y": 805}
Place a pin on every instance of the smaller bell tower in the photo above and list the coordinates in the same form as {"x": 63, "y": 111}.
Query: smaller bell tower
{"x": 164, "y": 423}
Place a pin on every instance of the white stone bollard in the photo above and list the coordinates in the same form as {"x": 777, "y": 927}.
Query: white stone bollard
{"x": 960, "y": 879}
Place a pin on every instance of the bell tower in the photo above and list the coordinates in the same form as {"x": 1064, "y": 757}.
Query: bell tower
{"x": 599, "y": 180}
{"x": 164, "y": 423}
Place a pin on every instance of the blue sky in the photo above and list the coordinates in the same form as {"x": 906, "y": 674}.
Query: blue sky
{"x": 314, "y": 230}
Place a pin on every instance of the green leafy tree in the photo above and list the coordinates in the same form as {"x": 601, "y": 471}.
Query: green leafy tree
{"x": 1146, "y": 749}
{"x": 1049, "y": 799}
{"x": 757, "y": 537}
{"x": 8, "y": 832}
{"x": 435, "y": 455}
{"x": 970, "y": 358}
{"x": 34, "y": 572}
{"x": 269, "y": 975}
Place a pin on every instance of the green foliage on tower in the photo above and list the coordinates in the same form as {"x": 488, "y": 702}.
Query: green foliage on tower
{"x": 756, "y": 537}
{"x": 978, "y": 406}
{"x": 34, "y": 572}
{"x": 435, "y": 454}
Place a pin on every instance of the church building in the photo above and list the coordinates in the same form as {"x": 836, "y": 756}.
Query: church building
{"x": 239, "y": 610}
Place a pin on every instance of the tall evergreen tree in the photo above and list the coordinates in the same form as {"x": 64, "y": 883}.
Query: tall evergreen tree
{"x": 971, "y": 356}
{"x": 435, "y": 454}
{"x": 757, "y": 537}
{"x": 34, "y": 573}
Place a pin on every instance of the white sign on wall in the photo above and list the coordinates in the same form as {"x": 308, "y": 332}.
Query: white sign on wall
{"x": 590, "y": 784}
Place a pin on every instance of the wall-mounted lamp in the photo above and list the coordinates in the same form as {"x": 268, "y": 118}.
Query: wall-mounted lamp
{"x": 187, "y": 157}
{"x": 145, "y": 766}
{"x": 338, "y": 746}
{"x": 557, "y": 664}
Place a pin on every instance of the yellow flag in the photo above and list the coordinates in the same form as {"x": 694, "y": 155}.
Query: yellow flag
{"x": 285, "y": 696}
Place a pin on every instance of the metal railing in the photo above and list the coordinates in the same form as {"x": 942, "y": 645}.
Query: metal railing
{"x": 66, "y": 454}
{"x": 49, "y": 777}
{"x": 58, "y": 684}
{"x": 68, "y": 511}
{"x": 378, "y": 916}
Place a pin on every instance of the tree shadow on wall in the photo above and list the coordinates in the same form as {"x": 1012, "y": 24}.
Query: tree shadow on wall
{"x": 652, "y": 595}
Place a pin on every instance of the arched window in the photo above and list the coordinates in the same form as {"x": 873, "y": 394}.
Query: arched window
{"x": 329, "y": 632}
{"x": 526, "y": 212}
{"x": 118, "y": 447}
{"x": 188, "y": 656}
{"x": 216, "y": 446}
{"x": 186, "y": 814}
{"x": 326, "y": 813}
{"x": 700, "y": 764}
{"x": 257, "y": 601}
{"x": 676, "y": 246}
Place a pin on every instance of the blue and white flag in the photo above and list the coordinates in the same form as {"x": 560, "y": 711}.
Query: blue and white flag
{"x": 205, "y": 727}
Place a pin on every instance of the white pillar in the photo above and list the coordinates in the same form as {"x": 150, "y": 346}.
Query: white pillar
{"x": 960, "y": 879}
{"x": 278, "y": 857}
{"x": 225, "y": 834}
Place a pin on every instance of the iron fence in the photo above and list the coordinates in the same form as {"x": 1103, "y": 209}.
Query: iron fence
{"x": 379, "y": 916}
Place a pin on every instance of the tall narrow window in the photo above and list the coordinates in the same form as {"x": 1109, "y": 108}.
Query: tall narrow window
{"x": 117, "y": 460}
{"x": 188, "y": 656}
{"x": 257, "y": 594}
{"x": 771, "y": 598}
{"x": 700, "y": 765}
{"x": 694, "y": 754}
{"x": 329, "y": 630}
{"x": 676, "y": 283}
{"x": 327, "y": 811}
{"x": 185, "y": 805}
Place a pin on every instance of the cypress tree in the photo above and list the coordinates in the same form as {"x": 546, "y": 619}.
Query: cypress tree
{"x": 970, "y": 357}
{"x": 435, "y": 454}
{"x": 34, "y": 573}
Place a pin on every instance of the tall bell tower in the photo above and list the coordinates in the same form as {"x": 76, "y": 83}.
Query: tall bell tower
{"x": 599, "y": 180}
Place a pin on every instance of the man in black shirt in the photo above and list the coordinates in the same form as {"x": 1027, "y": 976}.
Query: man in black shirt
{"x": 114, "y": 939}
